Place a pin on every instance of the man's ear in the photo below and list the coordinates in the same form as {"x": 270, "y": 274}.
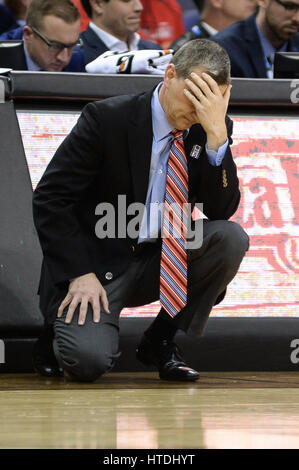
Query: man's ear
{"x": 27, "y": 34}
{"x": 170, "y": 73}
{"x": 96, "y": 6}
{"x": 263, "y": 3}
{"x": 217, "y": 3}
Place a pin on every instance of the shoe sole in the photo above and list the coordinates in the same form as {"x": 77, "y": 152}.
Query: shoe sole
{"x": 179, "y": 380}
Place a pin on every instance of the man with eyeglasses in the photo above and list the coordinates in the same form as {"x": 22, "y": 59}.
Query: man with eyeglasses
{"x": 50, "y": 38}
{"x": 251, "y": 44}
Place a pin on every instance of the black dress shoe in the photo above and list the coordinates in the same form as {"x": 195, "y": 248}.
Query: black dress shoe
{"x": 43, "y": 357}
{"x": 167, "y": 358}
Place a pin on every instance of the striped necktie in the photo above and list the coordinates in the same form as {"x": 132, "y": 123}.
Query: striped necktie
{"x": 173, "y": 268}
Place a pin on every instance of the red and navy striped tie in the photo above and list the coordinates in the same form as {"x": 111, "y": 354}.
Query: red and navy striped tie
{"x": 173, "y": 269}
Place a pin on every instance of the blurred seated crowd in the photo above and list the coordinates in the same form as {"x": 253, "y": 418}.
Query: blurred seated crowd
{"x": 66, "y": 35}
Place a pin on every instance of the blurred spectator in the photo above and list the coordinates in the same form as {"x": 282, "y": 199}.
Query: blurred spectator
{"x": 19, "y": 9}
{"x": 49, "y": 38}
{"x": 215, "y": 16}
{"x": 113, "y": 27}
{"x": 83, "y": 15}
{"x": 161, "y": 21}
{"x": 7, "y": 20}
{"x": 251, "y": 44}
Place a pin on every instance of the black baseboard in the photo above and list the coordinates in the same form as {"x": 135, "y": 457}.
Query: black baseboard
{"x": 228, "y": 344}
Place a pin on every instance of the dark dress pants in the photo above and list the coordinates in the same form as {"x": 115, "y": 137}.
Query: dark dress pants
{"x": 87, "y": 351}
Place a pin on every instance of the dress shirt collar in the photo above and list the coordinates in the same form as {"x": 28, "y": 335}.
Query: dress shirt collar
{"x": 161, "y": 126}
{"x": 113, "y": 43}
{"x": 212, "y": 31}
{"x": 31, "y": 65}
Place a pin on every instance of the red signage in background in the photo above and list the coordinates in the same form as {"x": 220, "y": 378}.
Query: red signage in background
{"x": 269, "y": 210}
{"x": 266, "y": 151}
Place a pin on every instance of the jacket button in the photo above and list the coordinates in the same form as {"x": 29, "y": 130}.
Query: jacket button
{"x": 108, "y": 276}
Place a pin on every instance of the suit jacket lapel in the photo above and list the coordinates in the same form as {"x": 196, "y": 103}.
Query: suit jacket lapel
{"x": 140, "y": 136}
{"x": 93, "y": 41}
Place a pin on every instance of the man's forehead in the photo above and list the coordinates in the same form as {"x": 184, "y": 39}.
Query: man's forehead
{"x": 49, "y": 21}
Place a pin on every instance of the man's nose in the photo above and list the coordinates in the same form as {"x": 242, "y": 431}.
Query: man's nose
{"x": 138, "y": 5}
{"x": 64, "y": 55}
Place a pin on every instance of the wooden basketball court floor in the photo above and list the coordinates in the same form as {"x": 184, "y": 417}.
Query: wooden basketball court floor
{"x": 227, "y": 410}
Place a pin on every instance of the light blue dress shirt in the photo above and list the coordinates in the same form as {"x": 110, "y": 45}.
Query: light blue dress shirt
{"x": 162, "y": 140}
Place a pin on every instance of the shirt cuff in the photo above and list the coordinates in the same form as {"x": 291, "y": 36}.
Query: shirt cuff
{"x": 215, "y": 158}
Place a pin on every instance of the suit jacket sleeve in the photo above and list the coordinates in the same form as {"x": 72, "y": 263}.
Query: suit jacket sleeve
{"x": 65, "y": 181}
{"x": 217, "y": 187}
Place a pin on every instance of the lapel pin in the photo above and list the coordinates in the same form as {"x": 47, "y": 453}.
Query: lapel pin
{"x": 195, "y": 152}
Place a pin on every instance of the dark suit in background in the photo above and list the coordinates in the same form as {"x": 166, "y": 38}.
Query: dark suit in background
{"x": 243, "y": 45}
{"x": 94, "y": 46}
{"x": 7, "y": 20}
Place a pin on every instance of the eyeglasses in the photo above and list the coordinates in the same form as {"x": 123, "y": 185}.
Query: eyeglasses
{"x": 289, "y": 6}
{"x": 57, "y": 47}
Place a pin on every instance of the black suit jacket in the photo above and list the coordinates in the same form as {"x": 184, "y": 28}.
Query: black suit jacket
{"x": 107, "y": 154}
{"x": 94, "y": 46}
{"x": 242, "y": 43}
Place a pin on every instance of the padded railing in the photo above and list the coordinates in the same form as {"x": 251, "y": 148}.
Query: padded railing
{"x": 80, "y": 86}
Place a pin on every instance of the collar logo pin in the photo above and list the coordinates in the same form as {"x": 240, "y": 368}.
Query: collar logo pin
{"x": 195, "y": 152}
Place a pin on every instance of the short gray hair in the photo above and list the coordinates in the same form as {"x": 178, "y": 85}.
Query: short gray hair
{"x": 206, "y": 54}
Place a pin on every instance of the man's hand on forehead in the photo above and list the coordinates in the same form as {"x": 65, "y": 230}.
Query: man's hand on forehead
{"x": 206, "y": 84}
{"x": 210, "y": 102}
